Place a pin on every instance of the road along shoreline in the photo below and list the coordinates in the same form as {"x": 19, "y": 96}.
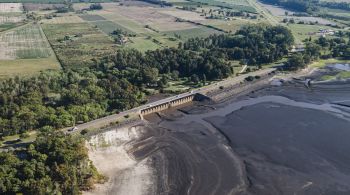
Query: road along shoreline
{"x": 237, "y": 84}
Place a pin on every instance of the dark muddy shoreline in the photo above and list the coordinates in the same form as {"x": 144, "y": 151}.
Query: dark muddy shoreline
{"x": 287, "y": 139}
{"x": 290, "y": 138}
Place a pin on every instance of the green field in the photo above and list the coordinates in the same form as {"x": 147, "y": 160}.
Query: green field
{"x": 142, "y": 44}
{"x": 27, "y": 67}
{"x": 125, "y": 23}
{"x": 240, "y": 5}
{"x": 195, "y": 32}
{"x": 109, "y": 26}
{"x": 89, "y": 17}
{"x": 303, "y": 31}
{"x": 77, "y": 44}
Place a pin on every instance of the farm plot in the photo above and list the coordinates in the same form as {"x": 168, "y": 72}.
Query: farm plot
{"x": 89, "y": 17}
{"x": 25, "y": 51}
{"x": 102, "y": 23}
{"x": 124, "y": 22}
{"x": 150, "y": 16}
{"x": 24, "y": 43}
{"x": 240, "y": 5}
{"x": 77, "y": 44}
{"x": 5, "y": 19}
{"x": 41, "y": 6}
{"x": 11, "y": 7}
{"x": 192, "y": 33}
{"x": 11, "y": 15}
{"x": 276, "y": 10}
{"x": 108, "y": 26}
{"x": 230, "y": 25}
{"x": 63, "y": 20}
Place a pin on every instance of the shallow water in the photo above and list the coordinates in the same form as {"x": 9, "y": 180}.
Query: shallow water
{"x": 342, "y": 67}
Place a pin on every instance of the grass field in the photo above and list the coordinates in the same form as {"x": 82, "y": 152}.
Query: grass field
{"x": 302, "y": 31}
{"x": 27, "y": 67}
{"x": 77, "y": 44}
{"x": 89, "y": 17}
{"x": 142, "y": 44}
{"x": 238, "y": 5}
{"x": 105, "y": 25}
{"x": 194, "y": 32}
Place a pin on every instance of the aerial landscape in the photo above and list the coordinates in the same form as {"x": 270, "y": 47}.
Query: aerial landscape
{"x": 197, "y": 97}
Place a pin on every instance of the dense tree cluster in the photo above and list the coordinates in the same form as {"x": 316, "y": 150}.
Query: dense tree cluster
{"x": 60, "y": 99}
{"x": 95, "y": 6}
{"x": 253, "y": 44}
{"x": 54, "y": 164}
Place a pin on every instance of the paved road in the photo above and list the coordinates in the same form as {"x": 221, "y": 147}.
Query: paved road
{"x": 203, "y": 90}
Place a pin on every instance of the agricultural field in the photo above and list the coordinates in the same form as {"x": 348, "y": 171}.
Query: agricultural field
{"x": 149, "y": 23}
{"x": 231, "y": 25}
{"x": 77, "y": 44}
{"x": 25, "y": 51}
{"x": 239, "y": 5}
{"x": 11, "y": 7}
{"x": 25, "y": 42}
{"x": 63, "y": 20}
{"x": 42, "y": 6}
{"x": 191, "y": 33}
{"x": 11, "y": 15}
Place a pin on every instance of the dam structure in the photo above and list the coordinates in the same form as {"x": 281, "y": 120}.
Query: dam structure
{"x": 163, "y": 106}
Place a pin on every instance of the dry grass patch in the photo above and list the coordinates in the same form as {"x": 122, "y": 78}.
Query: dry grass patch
{"x": 27, "y": 67}
{"x": 41, "y": 6}
{"x": 81, "y": 6}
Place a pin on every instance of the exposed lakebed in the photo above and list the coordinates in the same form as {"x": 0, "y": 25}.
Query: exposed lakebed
{"x": 291, "y": 138}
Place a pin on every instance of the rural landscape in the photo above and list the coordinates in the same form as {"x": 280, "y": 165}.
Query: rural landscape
{"x": 193, "y": 97}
